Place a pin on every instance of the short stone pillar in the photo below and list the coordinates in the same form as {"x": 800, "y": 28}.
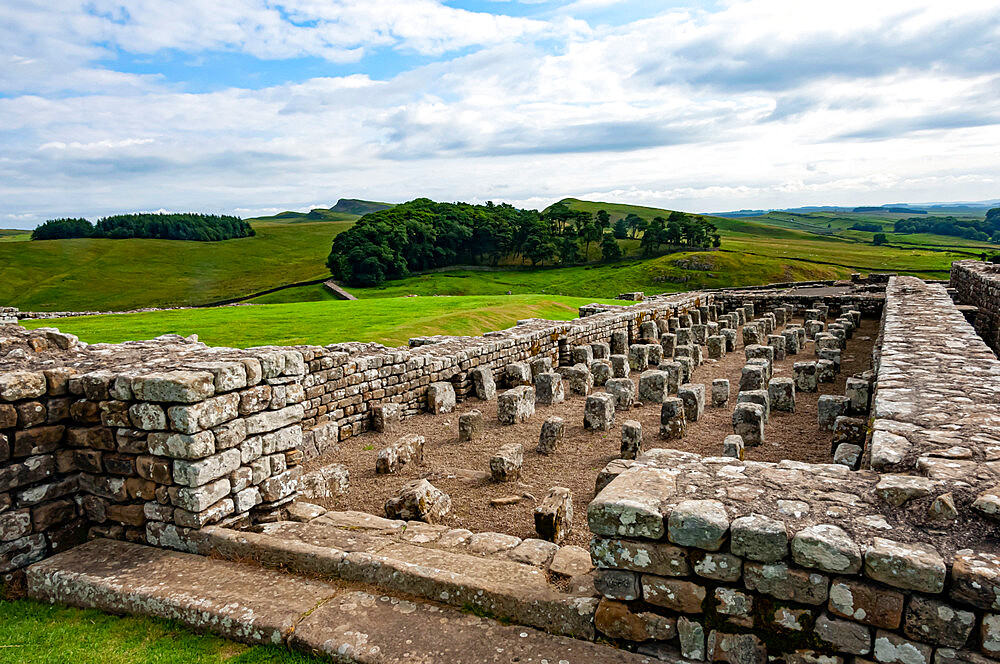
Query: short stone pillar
{"x": 673, "y": 422}
{"x": 516, "y": 374}
{"x": 732, "y": 446}
{"x": 752, "y": 334}
{"x": 826, "y": 371}
{"x": 699, "y": 333}
{"x": 385, "y": 417}
{"x": 781, "y": 393}
{"x": 667, "y": 344}
{"x": 505, "y": 465}
{"x": 813, "y": 327}
{"x": 631, "y": 446}
{"x": 516, "y": 405}
{"x": 748, "y": 423}
{"x": 619, "y": 366}
{"x": 759, "y": 397}
{"x": 483, "y": 384}
{"x": 825, "y": 340}
{"x": 752, "y": 377}
{"x": 581, "y": 355}
{"x": 858, "y": 390}
{"x": 716, "y": 347}
{"x": 748, "y": 310}
{"x": 554, "y": 515}
{"x": 685, "y": 320}
{"x": 471, "y": 426}
{"x": 833, "y": 355}
{"x": 720, "y": 391}
{"x": 848, "y": 455}
{"x": 673, "y": 322}
{"x": 851, "y": 430}
{"x": 549, "y": 388}
{"x": 695, "y": 315}
{"x": 765, "y": 366}
{"x": 654, "y": 353}
{"x": 441, "y": 397}
{"x": 805, "y": 376}
{"x": 759, "y": 352}
{"x": 409, "y": 448}
{"x": 829, "y": 408}
{"x": 812, "y": 314}
{"x": 599, "y": 412}
{"x": 601, "y": 371}
{"x": 673, "y": 371}
{"x": 653, "y": 386}
{"x": 648, "y": 332}
{"x": 777, "y": 342}
{"x": 638, "y": 357}
{"x": 780, "y": 316}
{"x": 623, "y": 390}
{"x": 551, "y": 435}
{"x": 730, "y": 335}
{"x": 540, "y": 365}
{"x": 687, "y": 367}
{"x": 579, "y": 378}
{"x": 419, "y": 500}
{"x": 619, "y": 342}
{"x": 684, "y": 336}
{"x": 693, "y": 396}
{"x": 601, "y": 350}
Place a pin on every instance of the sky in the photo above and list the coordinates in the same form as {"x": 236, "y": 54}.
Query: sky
{"x": 252, "y": 107}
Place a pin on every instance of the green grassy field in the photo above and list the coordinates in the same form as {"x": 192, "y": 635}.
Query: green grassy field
{"x": 36, "y": 633}
{"x": 14, "y": 235}
{"x": 391, "y": 322}
{"x": 102, "y": 274}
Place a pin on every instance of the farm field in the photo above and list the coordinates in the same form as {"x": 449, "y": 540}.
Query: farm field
{"x": 388, "y": 321}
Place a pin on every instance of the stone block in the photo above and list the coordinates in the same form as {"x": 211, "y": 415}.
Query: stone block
{"x": 554, "y": 515}
{"x": 174, "y": 386}
{"x": 699, "y": 333}
{"x": 19, "y": 385}
{"x": 829, "y": 408}
{"x": 673, "y": 421}
{"x": 687, "y": 369}
{"x": 647, "y": 557}
{"x": 849, "y": 430}
{"x": 693, "y": 396}
{"x": 684, "y": 337}
{"x": 673, "y": 593}
{"x": 720, "y": 392}
{"x": 551, "y": 435}
{"x": 716, "y": 346}
{"x": 540, "y": 365}
{"x": 804, "y": 374}
{"x": 748, "y": 423}
{"x": 618, "y": 584}
{"x": 701, "y": 524}
{"x": 505, "y": 464}
{"x": 732, "y": 446}
{"x": 601, "y": 371}
{"x": 909, "y": 566}
{"x": 736, "y": 648}
{"x": 781, "y": 394}
{"x": 205, "y": 414}
{"x": 730, "y": 337}
{"x": 752, "y": 335}
{"x": 326, "y": 482}
{"x": 549, "y": 388}
{"x": 786, "y": 583}
{"x": 717, "y": 566}
{"x": 620, "y": 366}
{"x": 419, "y": 501}
{"x": 976, "y": 579}
{"x": 848, "y": 455}
{"x": 668, "y": 342}
{"x": 196, "y": 473}
{"x": 631, "y": 505}
{"x": 440, "y": 397}
{"x": 612, "y": 470}
{"x": 827, "y": 548}
{"x": 599, "y": 412}
{"x": 866, "y": 603}
{"x": 752, "y": 378}
{"x": 791, "y": 342}
{"x": 760, "y": 397}
{"x": 829, "y": 355}
{"x": 483, "y": 384}
{"x": 825, "y": 371}
{"x": 653, "y": 386}
{"x": 601, "y": 350}
{"x": 691, "y": 637}
{"x": 638, "y": 357}
{"x": 758, "y": 537}
{"x": 471, "y": 426}
{"x": 932, "y": 621}
{"x": 623, "y": 391}
{"x": 516, "y": 404}
{"x": 894, "y": 649}
{"x": 408, "y": 449}
{"x": 616, "y": 620}
{"x": 385, "y": 417}
{"x": 843, "y": 635}
{"x": 581, "y": 355}
{"x": 631, "y": 444}
{"x": 858, "y": 391}
{"x": 579, "y": 378}
{"x": 674, "y": 371}
{"x": 619, "y": 342}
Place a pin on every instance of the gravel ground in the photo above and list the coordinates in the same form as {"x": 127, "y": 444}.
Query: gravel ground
{"x": 462, "y": 469}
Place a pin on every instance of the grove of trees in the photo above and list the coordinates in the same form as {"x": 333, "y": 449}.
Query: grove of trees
{"x": 987, "y": 230}
{"x": 423, "y": 234}
{"x": 184, "y": 226}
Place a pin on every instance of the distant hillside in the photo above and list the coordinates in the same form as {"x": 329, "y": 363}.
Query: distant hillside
{"x": 359, "y": 207}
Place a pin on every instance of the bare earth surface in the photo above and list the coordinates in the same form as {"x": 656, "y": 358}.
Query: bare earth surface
{"x": 462, "y": 469}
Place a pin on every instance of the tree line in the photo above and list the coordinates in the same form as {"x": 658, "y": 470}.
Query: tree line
{"x": 182, "y": 226}
{"x": 423, "y": 234}
{"x": 987, "y": 230}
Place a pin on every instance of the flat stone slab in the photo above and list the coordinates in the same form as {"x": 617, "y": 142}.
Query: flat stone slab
{"x": 212, "y": 595}
{"x": 380, "y": 629}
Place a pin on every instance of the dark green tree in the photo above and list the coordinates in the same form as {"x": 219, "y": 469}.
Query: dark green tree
{"x": 609, "y": 248}
{"x": 620, "y": 229}
{"x": 879, "y": 239}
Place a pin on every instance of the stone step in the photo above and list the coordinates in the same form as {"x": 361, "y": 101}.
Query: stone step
{"x": 512, "y": 591}
{"x": 254, "y": 605}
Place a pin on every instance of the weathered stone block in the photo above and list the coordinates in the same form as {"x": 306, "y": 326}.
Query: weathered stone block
{"x": 668, "y": 342}
{"x": 866, "y": 603}
{"x": 616, "y": 620}
{"x": 673, "y": 594}
{"x": 550, "y": 435}
{"x": 623, "y": 391}
{"x": 579, "y": 378}
{"x": 631, "y": 505}
{"x": 786, "y": 583}
{"x": 601, "y": 371}
{"x": 196, "y": 473}
{"x": 581, "y": 355}
{"x": 827, "y": 548}
{"x": 638, "y": 357}
{"x": 505, "y": 465}
{"x": 541, "y": 365}
{"x": 736, "y": 648}
{"x": 732, "y": 446}
{"x": 516, "y": 404}
{"x": 976, "y": 579}
{"x": 673, "y": 420}
{"x": 908, "y": 566}
{"x": 631, "y": 446}
{"x": 620, "y": 366}
{"x": 829, "y": 408}
{"x": 647, "y": 557}
{"x": 326, "y": 482}
{"x": 720, "y": 391}
{"x": 653, "y": 386}
{"x": 781, "y": 394}
{"x": 893, "y": 649}
{"x": 691, "y": 636}
{"x": 748, "y": 423}
{"x": 843, "y": 635}
{"x": 549, "y": 388}
{"x": 760, "y": 397}
{"x": 826, "y": 371}
{"x": 804, "y": 374}
{"x": 758, "y": 537}
{"x": 419, "y": 501}
{"x": 693, "y": 396}
{"x": 483, "y": 383}
{"x": 408, "y": 449}
{"x": 858, "y": 391}
{"x": 933, "y": 621}
{"x": 716, "y": 346}
{"x": 717, "y": 566}
{"x": 618, "y": 584}
{"x": 752, "y": 378}
{"x": 601, "y": 350}
{"x": 385, "y": 417}
{"x": 440, "y": 397}
{"x": 701, "y": 524}
{"x": 554, "y": 515}
{"x": 174, "y": 386}
{"x": 848, "y": 455}
{"x": 599, "y": 412}
{"x": 471, "y": 426}
{"x": 619, "y": 342}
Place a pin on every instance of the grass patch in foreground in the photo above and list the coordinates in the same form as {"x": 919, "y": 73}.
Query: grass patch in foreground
{"x": 37, "y": 633}
{"x": 391, "y": 321}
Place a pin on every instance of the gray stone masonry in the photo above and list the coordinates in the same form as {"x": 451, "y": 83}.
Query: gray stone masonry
{"x": 673, "y": 423}
{"x": 601, "y": 371}
{"x": 619, "y": 366}
{"x": 805, "y": 376}
{"x": 716, "y": 346}
{"x": 550, "y": 435}
{"x": 440, "y": 397}
{"x": 470, "y": 426}
{"x": 623, "y": 391}
{"x": 693, "y": 396}
{"x": 826, "y": 371}
{"x": 516, "y": 405}
{"x": 760, "y": 397}
{"x": 720, "y": 391}
{"x": 549, "y": 388}
{"x": 777, "y": 342}
{"x": 667, "y": 344}
{"x": 829, "y": 408}
{"x": 752, "y": 378}
{"x": 579, "y": 379}
{"x": 505, "y": 465}
{"x": 419, "y": 500}
{"x": 599, "y": 412}
{"x": 516, "y": 374}
{"x": 748, "y": 423}
{"x": 781, "y": 393}
{"x": 484, "y": 386}
{"x": 654, "y": 386}
{"x": 631, "y": 446}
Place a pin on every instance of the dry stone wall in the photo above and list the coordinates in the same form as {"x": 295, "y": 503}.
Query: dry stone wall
{"x": 147, "y": 441}
{"x": 978, "y": 284}
{"x": 898, "y": 563}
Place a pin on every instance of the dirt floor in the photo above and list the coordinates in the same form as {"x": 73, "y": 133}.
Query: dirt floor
{"x": 462, "y": 469}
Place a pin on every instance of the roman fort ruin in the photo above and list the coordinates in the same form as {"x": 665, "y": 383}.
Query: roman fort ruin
{"x": 805, "y": 472}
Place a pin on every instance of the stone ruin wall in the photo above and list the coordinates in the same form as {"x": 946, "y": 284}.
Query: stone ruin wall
{"x": 743, "y": 562}
{"x": 145, "y": 441}
{"x": 978, "y": 284}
